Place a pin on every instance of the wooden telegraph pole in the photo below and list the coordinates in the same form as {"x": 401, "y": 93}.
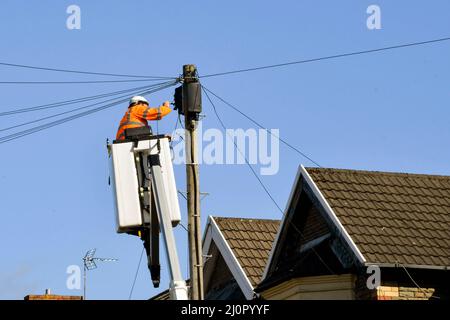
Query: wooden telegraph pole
{"x": 192, "y": 106}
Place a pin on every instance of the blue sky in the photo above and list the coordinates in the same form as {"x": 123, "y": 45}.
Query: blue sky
{"x": 385, "y": 111}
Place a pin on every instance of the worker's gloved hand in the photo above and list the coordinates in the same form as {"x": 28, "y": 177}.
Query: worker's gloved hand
{"x": 164, "y": 110}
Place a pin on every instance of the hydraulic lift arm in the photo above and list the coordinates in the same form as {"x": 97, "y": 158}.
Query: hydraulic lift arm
{"x": 149, "y": 207}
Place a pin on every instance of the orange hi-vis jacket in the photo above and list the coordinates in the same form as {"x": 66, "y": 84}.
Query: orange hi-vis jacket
{"x": 137, "y": 116}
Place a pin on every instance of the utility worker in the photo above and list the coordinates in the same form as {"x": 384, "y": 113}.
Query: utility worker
{"x": 138, "y": 113}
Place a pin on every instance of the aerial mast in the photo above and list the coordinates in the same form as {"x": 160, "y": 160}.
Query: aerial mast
{"x": 89, "y": 264}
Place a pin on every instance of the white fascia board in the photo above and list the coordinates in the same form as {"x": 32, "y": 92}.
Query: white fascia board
{"x": 331, "y": 214}
{"x": 207, "y": 238}
{"x": 206, "y": 245}
{"x": 231, "y": 260}
{"x": 280, "y": 228}
{"x": 410, "y": 266}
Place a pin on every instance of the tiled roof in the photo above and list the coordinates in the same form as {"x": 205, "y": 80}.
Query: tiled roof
{"x": 391, "y": 217}
{"x": 251, "y": 241}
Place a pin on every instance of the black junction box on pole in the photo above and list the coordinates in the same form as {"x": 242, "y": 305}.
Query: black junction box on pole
{"x": 188, "y": 96}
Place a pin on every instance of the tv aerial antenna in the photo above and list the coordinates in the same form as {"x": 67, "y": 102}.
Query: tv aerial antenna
{"x": 89, "y": 264}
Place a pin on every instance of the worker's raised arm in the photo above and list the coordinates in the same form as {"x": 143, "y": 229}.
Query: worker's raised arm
{"x": 154, "y": 113}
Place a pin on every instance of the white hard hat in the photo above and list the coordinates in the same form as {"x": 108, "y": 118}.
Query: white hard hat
{"x": 137, "y": 99}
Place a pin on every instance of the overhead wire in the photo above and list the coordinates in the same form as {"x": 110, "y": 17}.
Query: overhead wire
{"x": 136, "y": 274}
{"x": 179, "y": 120}
{"x": 336, "y": 56}
{"x": 76, "y": 116}
{"x": 262, "y": 127}
{"x": 57, "y": 122}
{"x": 151, "y": 90}
{"x": 260, "y": 181}
{"x": 76, "y": 109}
{"x": 79, "y": 82}
{"x": 174, "y": 132}
{"x": 66, "y": 102}
{"x": 405, "y": 45}
{"x": 415, "y": 283}
{"x": 81, "y": 72}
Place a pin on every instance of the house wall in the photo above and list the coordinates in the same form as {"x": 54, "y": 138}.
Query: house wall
{"x": 335, "y": 287}
{"x": 343, "y": 287}
{"x": 394, "y": 291}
